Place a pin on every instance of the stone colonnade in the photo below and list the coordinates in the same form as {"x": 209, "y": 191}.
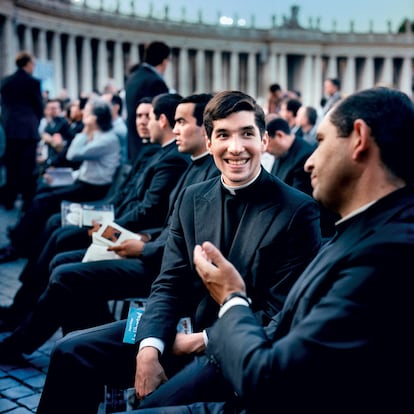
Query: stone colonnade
{"x": 86, "y": 49}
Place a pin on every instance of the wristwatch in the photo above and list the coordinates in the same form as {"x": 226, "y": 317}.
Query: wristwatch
{"x": 237, "y": 295}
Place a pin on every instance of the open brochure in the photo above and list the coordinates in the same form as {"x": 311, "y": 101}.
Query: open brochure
{"x": 109, "y": 234}
{"x": 84, "y": 214}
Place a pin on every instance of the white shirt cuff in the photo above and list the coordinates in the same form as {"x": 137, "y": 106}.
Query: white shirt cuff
{"x": 154, "y": 342}
{"x": 232, "y": 302}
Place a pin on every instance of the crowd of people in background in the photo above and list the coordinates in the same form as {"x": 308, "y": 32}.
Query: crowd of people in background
{"x": 276, "y": 228}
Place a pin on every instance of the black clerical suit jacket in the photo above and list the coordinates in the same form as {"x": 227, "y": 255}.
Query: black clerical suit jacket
{"x": 200, "y": 170}
{"x": 147, "y": 205}
{"x": 343, "y": 341}
{"x": 277, "y": 237}
{"x": 290, "y": 167}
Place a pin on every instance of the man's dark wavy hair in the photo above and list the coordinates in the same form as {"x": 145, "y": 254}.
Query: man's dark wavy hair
{"x": 390, "y": 115}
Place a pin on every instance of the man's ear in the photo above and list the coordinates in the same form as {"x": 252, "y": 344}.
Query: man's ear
{"x": 265, "y": 141}
{"x": 362, "y": 139}
{"x": 164, "y": 121}
{"x": 208, "y": 144}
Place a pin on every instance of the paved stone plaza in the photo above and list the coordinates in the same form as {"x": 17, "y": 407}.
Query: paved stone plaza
{"x": 20, "y": 386}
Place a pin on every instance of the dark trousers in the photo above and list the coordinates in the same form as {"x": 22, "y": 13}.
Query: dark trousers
{"x": 20, "y": 163}
{"x": 77, "y": 296}
{"x": 28, "y": 230}
{"x": 81, "y": 364}
{"x": 85, "y": 361}
{"x": 35, "y": 275}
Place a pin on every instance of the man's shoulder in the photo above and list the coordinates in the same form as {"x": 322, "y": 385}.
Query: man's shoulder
{"x": 166, "y": 156}
{"x": 274, "y": 187}
{"x": 202, "y": 187}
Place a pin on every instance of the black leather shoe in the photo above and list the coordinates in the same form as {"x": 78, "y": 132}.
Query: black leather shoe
{"x": 8, "y": 254}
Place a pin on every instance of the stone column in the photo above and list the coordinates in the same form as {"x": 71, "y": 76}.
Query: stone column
{"x": 234, "y": 71}
{"x": 307, "y": 78}
{"x": 387, "y": 71}
{"x": 368, "y": 73}
{"x": 217, "y": 71}
{"x": 169, "y": 76}
{"x": 406, "y": 76}
{"x": 86, "y": 66}
{"x": 133, "y": 54}
{"x": 283, "y": 71}
{"x": 71, "y": 68}
{"x": 251, "y": 75}
{"x": 57, "y": 61}
{"x": 183, "y": 72}
{"x": 102, "y": 66}
{"x": 349, "y": 83}
{"x": 42, "y": 46}
{"x": 331, "y": 70}
{"x": 28, "y": 39}
{"x": 271, "y": 75}
{"x": 118, "y": 65}
{"x": 200, "y": 60}
{"x": 10, "y": 42}
{"x": 318, "y": 82}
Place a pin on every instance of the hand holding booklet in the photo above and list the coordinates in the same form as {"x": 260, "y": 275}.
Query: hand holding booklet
{"x": 109, "y": 234}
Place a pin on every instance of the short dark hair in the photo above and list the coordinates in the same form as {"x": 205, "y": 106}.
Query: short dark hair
{"x": 200, "y": 101}
{"x": 145, "y": 100}
{"x": 83, "y": 100}
{"x": 23, "y": 58}
{"x": 102, "y": 111}
{"x": 336, "y": 82}
{"x": 166, "y": 103}
{"x": 156, "y": 52}
{"x": 117, "y": 100}
{"x": 274, "y": 87}
{"x": 390, "y": 115}
{"x": 277, "y": 124}
{"x": 311, "y": 114}
{"x": 226, "y": 103}
{"x": 292, "y": 105}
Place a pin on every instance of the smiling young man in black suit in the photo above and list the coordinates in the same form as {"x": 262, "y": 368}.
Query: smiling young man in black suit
{"x": 270, "y": 230}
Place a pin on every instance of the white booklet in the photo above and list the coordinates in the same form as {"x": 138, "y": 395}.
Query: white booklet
{"x": 84, "y": 214}
{"x": 59, "y": 176}
{"x": 109, "y": 234}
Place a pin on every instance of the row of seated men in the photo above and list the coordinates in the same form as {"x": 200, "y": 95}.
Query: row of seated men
{"x": 59, "y": 290}
{"x": 269, "y": 230}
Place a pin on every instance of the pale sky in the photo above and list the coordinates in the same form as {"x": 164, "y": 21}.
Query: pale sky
{"x": 328, "y": 11}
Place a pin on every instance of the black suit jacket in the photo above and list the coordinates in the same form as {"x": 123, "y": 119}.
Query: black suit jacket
{"x": 277, "y": 237}
{"x": 141, "y": 161}
{"x": 22, "y": 106}
{"x": 290, "y": 167}
{"x": 199, "y": 170}
{"x": 143, "y": 82}
{"x": 147, "y": 205}
{"x": 343, "y": 341}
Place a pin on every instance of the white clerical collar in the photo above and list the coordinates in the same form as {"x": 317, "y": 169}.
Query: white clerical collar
{"x": 232, "y": 188}
{"x": 168, "y": 142}
{"x": 193, "y": 158}
{"x": 355, "y": 212}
